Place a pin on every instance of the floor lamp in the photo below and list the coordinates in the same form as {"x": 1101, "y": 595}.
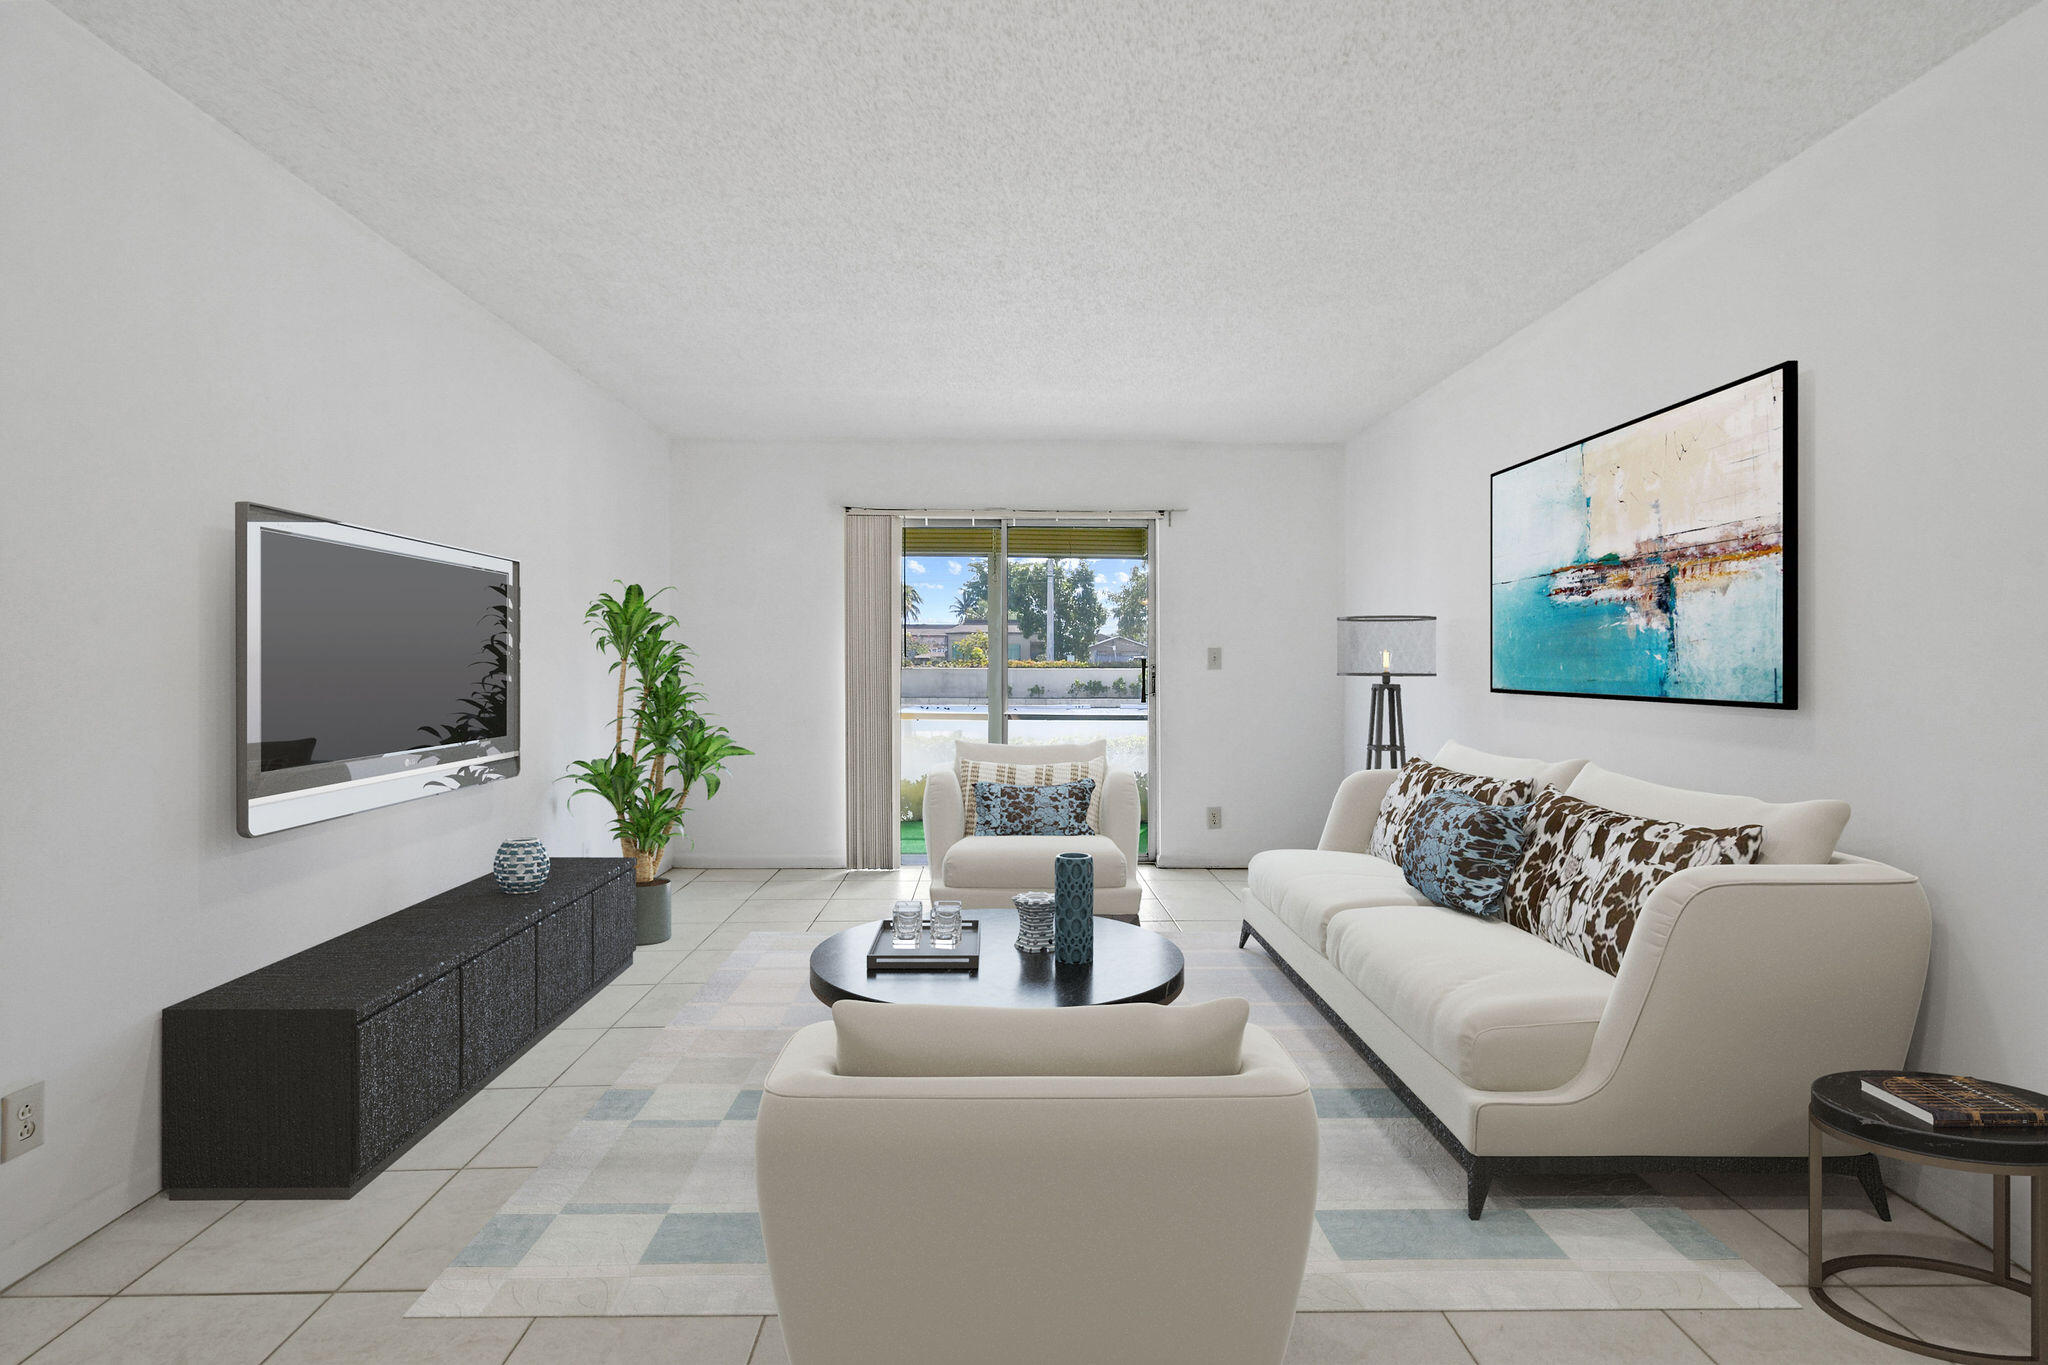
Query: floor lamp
{"x": 1388, "y": 647}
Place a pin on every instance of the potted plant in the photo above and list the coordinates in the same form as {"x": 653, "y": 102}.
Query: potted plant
{"x": 671, "y": 747}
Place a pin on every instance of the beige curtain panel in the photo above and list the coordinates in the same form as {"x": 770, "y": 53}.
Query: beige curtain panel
{"x": 874, "y": 616}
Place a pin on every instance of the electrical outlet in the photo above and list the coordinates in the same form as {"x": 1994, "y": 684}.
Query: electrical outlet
{"x": 1215, "y": 656}
{"x": 21, "y": 1121}
{"x": 1215, "y": 817}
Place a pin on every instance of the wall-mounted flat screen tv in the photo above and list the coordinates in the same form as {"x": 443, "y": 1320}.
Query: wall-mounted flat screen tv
{"x": 372, "y": 669}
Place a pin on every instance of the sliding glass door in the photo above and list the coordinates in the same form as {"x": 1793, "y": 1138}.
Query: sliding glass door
{"x": 1070, "y": 662}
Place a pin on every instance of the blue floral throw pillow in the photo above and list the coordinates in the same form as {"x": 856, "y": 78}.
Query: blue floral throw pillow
{"x": 1056, "y": 808}
{"x": 1460, "y": 852}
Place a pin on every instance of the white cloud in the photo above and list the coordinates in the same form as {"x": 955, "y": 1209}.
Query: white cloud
{"x": 1102, "y": 578}
{"x": 952, "y": 566}
{"x": 914, "y": 566}
{"x": 1123, "y": 578}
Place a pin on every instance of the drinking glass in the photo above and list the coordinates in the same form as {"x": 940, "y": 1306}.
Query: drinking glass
{"x": 906, "y": 917}
{"x": 946, "y": 924}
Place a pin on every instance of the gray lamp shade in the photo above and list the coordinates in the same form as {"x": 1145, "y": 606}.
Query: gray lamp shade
{"x": 1402, "y": 645}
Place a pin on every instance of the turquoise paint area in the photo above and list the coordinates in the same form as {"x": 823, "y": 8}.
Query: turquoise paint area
{"x": 1541, "y": 644}
{"x": 1730, "y": 644}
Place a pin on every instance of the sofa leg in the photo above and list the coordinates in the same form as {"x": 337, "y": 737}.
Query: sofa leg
{"x": 1478, "y": 1180}
{"x": 1244, "y": 931}
{"x": 1871, "y": 1176}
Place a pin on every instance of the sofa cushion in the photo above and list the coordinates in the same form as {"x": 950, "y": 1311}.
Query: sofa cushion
{"x": 1482, "y": 764}
{"x": 1305, "y": 887}
{"x": 1417, "y": 780}
{"x": 1105, "y": 1040}
{"x": 1460, "y": 851}
{"x": 1794, "y": 831}
{"x": 1025, "y": 860}
{"x": 1588, "y": 870}
{"x": 1501, "y": 1009}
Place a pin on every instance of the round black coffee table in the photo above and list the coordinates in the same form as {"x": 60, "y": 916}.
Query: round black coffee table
{"x": 1840, "y": 1108}
{"x": 1132, "y": 965}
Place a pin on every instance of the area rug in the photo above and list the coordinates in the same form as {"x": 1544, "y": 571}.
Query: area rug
{"x": 648, "y": 1206}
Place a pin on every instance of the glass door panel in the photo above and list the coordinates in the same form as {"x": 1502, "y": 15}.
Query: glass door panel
{"x": 946, "y": 677}
{"x": 1077, "y": 660}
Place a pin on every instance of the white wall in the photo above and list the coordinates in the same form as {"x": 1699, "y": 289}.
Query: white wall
{"x": 186, "y": 325}
{"x": 759, "y": 551}
{"x": 1903, "y": 262}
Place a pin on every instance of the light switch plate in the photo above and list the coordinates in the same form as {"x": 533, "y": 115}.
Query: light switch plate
{"x": 1215, "y": 817}
{"x": 1215, "y": 656}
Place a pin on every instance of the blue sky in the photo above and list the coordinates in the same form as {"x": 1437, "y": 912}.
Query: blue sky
{"x": 939, "y": 579}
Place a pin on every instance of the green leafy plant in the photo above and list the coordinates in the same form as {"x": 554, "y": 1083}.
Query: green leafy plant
{"x": 648, "y": 776}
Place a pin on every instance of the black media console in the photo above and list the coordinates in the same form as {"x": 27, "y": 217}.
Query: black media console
{"x": 306, "y": 1078}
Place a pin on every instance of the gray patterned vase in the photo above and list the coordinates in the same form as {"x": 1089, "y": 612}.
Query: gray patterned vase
{"x": 1073, "y": 890}
{"x": 1035, "y": 910}
{"x": 521, "y": 866}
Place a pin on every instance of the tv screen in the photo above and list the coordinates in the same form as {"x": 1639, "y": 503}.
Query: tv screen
{"x": 375, "y": 668}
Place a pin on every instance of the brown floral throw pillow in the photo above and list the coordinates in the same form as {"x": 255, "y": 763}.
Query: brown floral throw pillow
{"x": 1588, "y": 870}
{"x": 1417, "y": 780}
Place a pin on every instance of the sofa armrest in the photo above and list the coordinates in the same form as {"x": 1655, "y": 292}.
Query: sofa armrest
{"x": 1739, "y": 986}
{"x": 945, "y": 817}
{"x": 1120, "y": 818}
{"x": 1356, "y": 810}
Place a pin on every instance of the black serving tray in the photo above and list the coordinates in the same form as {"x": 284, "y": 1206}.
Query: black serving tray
{"x": 885, "y": 956}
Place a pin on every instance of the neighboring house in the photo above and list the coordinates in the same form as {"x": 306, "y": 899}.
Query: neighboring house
{"x": 932, "y": 642}
{"x": 1116, "y": 649}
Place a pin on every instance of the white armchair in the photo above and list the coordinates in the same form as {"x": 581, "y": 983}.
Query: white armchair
{"x": 1145, "y": 1204}
{"x": 983, "y": 872}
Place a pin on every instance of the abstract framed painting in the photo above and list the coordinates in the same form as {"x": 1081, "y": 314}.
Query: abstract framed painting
{"x": 1656, "y": 560}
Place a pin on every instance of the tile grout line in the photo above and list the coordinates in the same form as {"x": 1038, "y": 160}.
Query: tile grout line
{"x": 445, "y": 1180}
{"x": 272, "y": 1352}
{"x": 1697, "y": 1345}
{"x": 1463, "y": 1344}
{"x": 128, "y": 1284}
{"x": 520, "y": 1340}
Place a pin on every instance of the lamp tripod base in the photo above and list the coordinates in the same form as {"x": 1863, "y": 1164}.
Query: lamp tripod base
{"x": 1388, "y": 736}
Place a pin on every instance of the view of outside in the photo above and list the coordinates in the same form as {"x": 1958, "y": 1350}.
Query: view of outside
{"x": 1087, "y": 683}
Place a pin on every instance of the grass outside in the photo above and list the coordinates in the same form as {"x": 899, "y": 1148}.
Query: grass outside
{"x": 913, "y": 837}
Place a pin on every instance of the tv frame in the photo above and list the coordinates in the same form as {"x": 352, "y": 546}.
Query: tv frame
{"x": 1789, "y": 626}
{"x": 270, "y": 802}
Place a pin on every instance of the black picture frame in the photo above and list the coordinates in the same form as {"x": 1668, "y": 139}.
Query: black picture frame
{"x": 1789, "y": 626}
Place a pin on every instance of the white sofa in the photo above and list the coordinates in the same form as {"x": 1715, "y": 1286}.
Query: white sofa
{"x": 984, "y": 872}
{"x": 1740, "y": 985}
{"x": 915, "y": 1215}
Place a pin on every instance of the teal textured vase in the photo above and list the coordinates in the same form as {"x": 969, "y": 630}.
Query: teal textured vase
{"x": 1073, "y": 890}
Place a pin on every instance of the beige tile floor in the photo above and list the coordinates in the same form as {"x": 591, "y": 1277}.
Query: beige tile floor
{"x": 299, "y": 1282}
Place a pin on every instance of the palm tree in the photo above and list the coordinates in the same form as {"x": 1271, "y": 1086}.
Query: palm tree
{"x": 913, "y": 601}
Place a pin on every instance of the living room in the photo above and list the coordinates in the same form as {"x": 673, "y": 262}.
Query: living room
{"x": 638, "y": 295}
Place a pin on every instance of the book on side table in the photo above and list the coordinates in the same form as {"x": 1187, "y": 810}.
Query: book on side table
{"x": 1956, "y": 1101}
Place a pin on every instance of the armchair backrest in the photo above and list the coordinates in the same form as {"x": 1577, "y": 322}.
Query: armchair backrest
{"x": 983, "y": 752}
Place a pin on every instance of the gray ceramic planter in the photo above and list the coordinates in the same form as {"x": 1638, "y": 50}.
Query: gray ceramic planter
{"x": 650, "y": 912}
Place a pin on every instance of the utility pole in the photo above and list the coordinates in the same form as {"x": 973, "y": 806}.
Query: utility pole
{"x": 1052, "y": 582}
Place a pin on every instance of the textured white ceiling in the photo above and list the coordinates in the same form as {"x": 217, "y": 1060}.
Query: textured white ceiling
{"x": 1201, "y": 219}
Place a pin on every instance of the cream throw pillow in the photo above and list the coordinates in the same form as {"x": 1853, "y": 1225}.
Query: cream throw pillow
{"x": 973, "y": 770}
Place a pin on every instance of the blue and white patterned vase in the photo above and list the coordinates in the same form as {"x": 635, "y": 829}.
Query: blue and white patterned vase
{"x": 1073, "y": 891}
{"x": 521, "y": 866}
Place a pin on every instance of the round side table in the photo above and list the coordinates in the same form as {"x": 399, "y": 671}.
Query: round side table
{"x": 1840, "y": 1108}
